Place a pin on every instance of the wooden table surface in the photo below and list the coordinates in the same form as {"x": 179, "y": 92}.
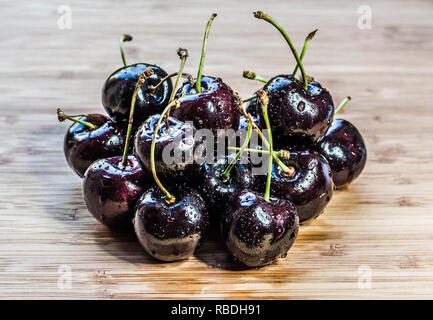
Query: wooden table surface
{"x": 375, "y": 239}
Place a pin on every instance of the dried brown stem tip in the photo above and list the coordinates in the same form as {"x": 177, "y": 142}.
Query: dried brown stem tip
{"x": 214, "y": 15}
{"x": 144, "y": 75}
{"x": 249, "y": 75}
{"x": 191, "y": 80}
{"x": 261, "y": 94}
{"x": 291, "y": 172}
{"x": 259, "y": 14}
{"x": 127, "y": 37}
{"x": 284, "y": 154}
{"x": 170, "y": 200}
{"x": 182, "y": 53}
{"x": 60, "y": 115}
{"x": 311, "y": 35}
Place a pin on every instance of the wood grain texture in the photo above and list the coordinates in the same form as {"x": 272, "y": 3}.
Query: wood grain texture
{"x": 383, "y": 221}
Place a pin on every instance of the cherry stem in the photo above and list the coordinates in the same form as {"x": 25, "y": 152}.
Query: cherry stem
{"x": 281, "y": 153}
{"x": 171, "y": 75}
{"x": 253, "y": 76}
{"x": 62, "y": 117}
{"x": 124, "y": 38}
{"x": 183, "y": 55}
{"x": 170, "y": 199}
{"x": 241, "y": 150}
{"x": 141, "y": 79}
{"x": 283, "y": 167}
{"x": 264, "y": 101}
{"x": 268, "y": 18}
{"x": 249, "y": 98}
{"x": 203, "y": 53}
{"x": 304, "y": 49}
{"x": 342, "y": 104}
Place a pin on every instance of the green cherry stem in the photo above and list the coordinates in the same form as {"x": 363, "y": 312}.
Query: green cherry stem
{"x": 62, "y": 117}
{"x": 141, "y": 79}
{"x": 124, "y": 38}
{"x": 264, "y": 101}
{"x": 342, "y": 104}
{"x": 283, "y": 167}
{"x": 268, "y": 18}
{"x": 304, "y": 49}
{"x": 183, "y": 55}
{"x": 249, "y": 98}
{"x": 281, "y": 153}
{"x": 253, "y": 76}
{"x": 171, "y": 75}
{"x": 241, "y": 150}
{"x": 203, "y": 53}
{"x": 170, "y": 199}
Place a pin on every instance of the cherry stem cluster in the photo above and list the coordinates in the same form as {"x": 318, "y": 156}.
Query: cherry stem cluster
{"x": 141, "y": 80}
{"x": 268, "y": 18}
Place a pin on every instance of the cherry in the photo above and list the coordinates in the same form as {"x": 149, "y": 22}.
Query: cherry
{"x": 260, "y": 229}
{"x": 298, "y": 110}
{"x": 344, "y": 148}
{"x": 112, "y": 186}
{"x": 298, "y": 114}
{"x": 169, "y": 227}
{"x": 208, "y": 102}
{"x": 178, "y": 139}
{"x": 119, "y": 87}
{"x": 111, "y": 189}
{"x": 257, "y": 231}
{"x": 217, "y": 188}
{"x": 89, "y": 138}
{"x": 310, "y": 187}
{"x": 170, "y": 231}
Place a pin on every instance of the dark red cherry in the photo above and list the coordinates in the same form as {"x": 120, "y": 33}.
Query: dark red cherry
{"x": 345, "y": 151}
{"x": 217, "y": 190}
{"x": 310, "y": 188}
{"x": 170, "y": 232}
{"x": 174, "y": 147}
{"x": 258, "y": 232}
{"x": 216, "y": 107}
{"x": 297, "y": 114}
{"x": 119, "y": 87}
{"x": 111, "y": 190}
{"x": 83, "y": 145}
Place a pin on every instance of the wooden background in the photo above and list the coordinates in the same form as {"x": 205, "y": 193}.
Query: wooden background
{"x": 381, "y": 226}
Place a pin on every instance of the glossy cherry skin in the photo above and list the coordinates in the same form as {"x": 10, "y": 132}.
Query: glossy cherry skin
{"x": 296, "y": 114}
{"x": 177, "y": 143}
{"x": 119, "y": 88}
{"x": 257, "y": 232}
{"x": 111, "y": 190}
{"x": 171, "y": 232}
{"x": 217, "y": 190}
{"x": 310, "y": 188}
{"x": 216, "y": 107}
{"x": 344, "y": 148}
{"x": 83, "y": 145}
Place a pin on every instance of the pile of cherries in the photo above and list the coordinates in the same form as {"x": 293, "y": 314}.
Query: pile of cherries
{"x": 308, "y": 153}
